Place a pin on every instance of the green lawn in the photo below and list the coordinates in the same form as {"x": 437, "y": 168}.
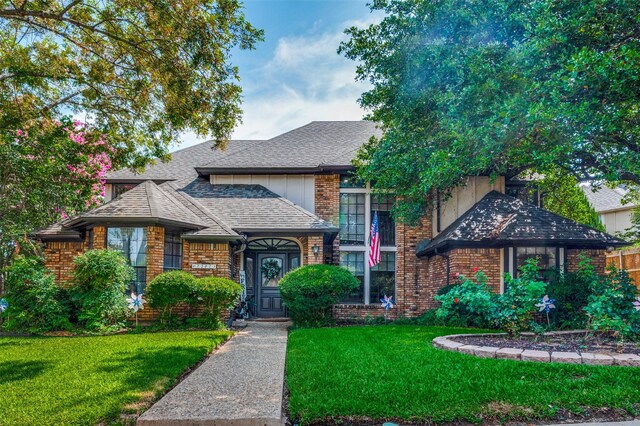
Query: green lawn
{"x": 84, "y": 380}
{"x": 394, "y": 372}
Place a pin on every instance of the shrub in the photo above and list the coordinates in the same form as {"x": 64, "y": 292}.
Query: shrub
{"x": 309, "y": 292}
{"x": 571, "y": 291}
{"x": 468, "y": 303}
{"x": 99, "y": 281}
{"x": 34, "y": 299}
{"x": 611, "y": 306}
{"x": 516, "y": 308}
{"x": 216, "y": 294}
{"x": 169, "y": 289}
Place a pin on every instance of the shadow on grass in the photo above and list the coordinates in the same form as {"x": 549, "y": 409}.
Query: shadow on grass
{"x": 13, "y": 371}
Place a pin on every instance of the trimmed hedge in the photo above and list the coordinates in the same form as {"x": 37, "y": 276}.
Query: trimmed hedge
{"x": 309, "y": 292}
{"x": 169, "y": 289}
{"x": 217, "y": 295}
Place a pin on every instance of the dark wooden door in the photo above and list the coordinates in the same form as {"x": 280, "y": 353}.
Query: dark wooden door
{"x": 269, "y": 303}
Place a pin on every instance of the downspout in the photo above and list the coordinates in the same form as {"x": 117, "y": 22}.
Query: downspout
{"x": 243, "y": 247}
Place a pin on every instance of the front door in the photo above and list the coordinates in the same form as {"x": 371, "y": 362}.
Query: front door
{"x": 271, "y": 268}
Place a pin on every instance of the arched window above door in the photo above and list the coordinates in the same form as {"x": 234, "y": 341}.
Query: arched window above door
{"x": 271, "y": 244}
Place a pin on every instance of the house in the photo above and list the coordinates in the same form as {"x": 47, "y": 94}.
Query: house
{"x": 290, "y": 201}
{"x": 612, "y": 207}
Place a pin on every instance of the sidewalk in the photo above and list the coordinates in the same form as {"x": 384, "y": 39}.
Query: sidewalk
{"x": 241, "y": 384}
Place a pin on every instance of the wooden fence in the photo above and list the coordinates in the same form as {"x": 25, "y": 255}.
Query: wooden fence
{"x": 628, "y": 259}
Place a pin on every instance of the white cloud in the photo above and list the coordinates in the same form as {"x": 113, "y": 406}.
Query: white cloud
{"x": 305, "y": 80}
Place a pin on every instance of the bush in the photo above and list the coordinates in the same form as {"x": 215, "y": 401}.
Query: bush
{"x": 467, "y": 303}
{"x": 217, "y": 295}
{"x": 34, "y": 299}
{"x": 516, "y": 308}
{"x": 611, "y": 306}
{"x": 99, "y": 281}
{"x": 169, "y": 289}
{"x": 571, "y": 291}
{"x": 309, "y": 292}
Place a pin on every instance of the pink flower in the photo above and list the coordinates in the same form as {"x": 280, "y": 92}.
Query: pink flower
{"x": 475, "y": 269}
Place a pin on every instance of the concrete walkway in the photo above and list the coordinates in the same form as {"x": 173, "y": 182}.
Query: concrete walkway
{"x": 622, "y": 423}
{"x": 240, "y": 384}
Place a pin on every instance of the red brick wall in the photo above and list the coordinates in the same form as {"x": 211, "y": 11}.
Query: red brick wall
{"x": 155, "y": 252}
{"x": 207, "y": 253}
{"x": 327, "y": 206}
{"x": 58, "y": 258}
{"x": 598, "y": 259}
{"x": 308, "y": 257}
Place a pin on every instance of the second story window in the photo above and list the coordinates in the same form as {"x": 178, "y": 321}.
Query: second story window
{"x": 117, "y": 189}
{"x": 358, "y": 205}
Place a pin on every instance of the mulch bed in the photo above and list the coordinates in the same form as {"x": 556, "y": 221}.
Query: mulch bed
{"x": 559, "y": 343}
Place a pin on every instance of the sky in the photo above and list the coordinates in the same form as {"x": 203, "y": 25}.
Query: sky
{"x": 296, "y": 75}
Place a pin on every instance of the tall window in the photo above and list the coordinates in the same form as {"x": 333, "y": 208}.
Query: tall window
{"x": 132, "y": 243}
{"x": 357, "y": 208}
{"x": 172, "y": 251}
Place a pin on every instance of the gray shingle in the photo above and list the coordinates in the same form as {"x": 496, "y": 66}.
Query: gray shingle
{"x": 246, "y": 208}
{"x": 144, "y": 202}
{"x": 182, "y": 162}
{"x": 316, "y": 145}
{"x": 605, "y": 199}
{"x": 499, "y": 220}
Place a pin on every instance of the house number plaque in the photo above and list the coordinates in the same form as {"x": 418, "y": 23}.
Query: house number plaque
{"x": 203, "y": 266}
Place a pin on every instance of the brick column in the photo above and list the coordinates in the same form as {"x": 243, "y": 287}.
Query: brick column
{"x": 310, "y": 257}
{"x": 99, "y": 237}
{"x": 327, "y": 206}
{"x": 413, "y": 286}
{"x": 155, "y": 252}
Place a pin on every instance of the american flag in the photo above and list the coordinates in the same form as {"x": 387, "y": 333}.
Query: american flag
{"x": 374, "y": 247}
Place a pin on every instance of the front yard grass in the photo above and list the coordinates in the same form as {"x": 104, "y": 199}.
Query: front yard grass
{"x": 393, "y": 372}
{"x": 86, "y": 380}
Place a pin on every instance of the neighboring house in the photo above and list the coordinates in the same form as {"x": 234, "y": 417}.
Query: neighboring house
{"x": 609, "y": 203}
{"x": 291, "y": 201}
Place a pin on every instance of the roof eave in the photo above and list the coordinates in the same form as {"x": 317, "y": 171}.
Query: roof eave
{"x": 447, "y": 245}
{"x": 83, "y": 221}
{"x": 206, "y": 171}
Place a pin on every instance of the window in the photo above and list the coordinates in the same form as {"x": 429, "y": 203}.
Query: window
{"x": 357, "y": 209}
{"x": 172, "y": 251}
{"x": 548, "y": 258}
{"x": 352, "y": 218}
{"x": 117, "y": 189}
{"x": 132, "y": 243}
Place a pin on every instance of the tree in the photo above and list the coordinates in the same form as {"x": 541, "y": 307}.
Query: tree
{"x": 494, "y": 86}
{"x": 143, "y": 72}
{"x": 562, "y": 195}
{"x": 49, "y": 172}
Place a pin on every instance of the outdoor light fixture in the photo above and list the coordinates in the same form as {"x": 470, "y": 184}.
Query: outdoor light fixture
{"x": 316, "y": 250}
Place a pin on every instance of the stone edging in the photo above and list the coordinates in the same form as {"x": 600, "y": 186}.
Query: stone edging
{"x": 446, "y": 343}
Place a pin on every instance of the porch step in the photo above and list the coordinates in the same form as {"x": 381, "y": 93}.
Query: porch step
{"x": 281, "y": 319}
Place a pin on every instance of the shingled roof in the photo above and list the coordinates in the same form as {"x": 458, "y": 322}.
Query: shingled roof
{"x": 253, "y": 208}
{"x": 182, "y": 164}
{"x": 315, "y": 147}
{"x": 605, "y": 199}
{"x": 145, "y": 203}
{"x": 498, "y": 220}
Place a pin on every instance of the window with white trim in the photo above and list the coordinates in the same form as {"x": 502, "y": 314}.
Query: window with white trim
{"x": 357, "y": 207}
{"x": 548, "y": 257}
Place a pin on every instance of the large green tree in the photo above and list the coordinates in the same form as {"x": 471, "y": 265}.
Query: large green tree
{"x": 498, "y": 86}
{"x": 141, "y": 71}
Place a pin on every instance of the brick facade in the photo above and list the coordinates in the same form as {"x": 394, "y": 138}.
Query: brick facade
{"x": 58, "y": 258}
{"x": 598, "y": 259}
{"x": 327, "y": 205}
{"x": 218, "y": 254}
{"x": 308, "y": 256}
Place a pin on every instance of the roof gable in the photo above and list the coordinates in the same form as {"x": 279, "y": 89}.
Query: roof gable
{"x": 500, "y": 220}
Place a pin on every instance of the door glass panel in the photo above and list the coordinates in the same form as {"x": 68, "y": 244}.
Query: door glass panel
{"x": 271, "y": 270}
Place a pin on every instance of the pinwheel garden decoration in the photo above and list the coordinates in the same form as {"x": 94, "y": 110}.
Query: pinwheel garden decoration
{"x": 387, "y": 303}
{"x": 546, "y": 305}
{"x": 136, "y": 303}
{"x": 3, "y": 307}
{"x": 636, "y": 304}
